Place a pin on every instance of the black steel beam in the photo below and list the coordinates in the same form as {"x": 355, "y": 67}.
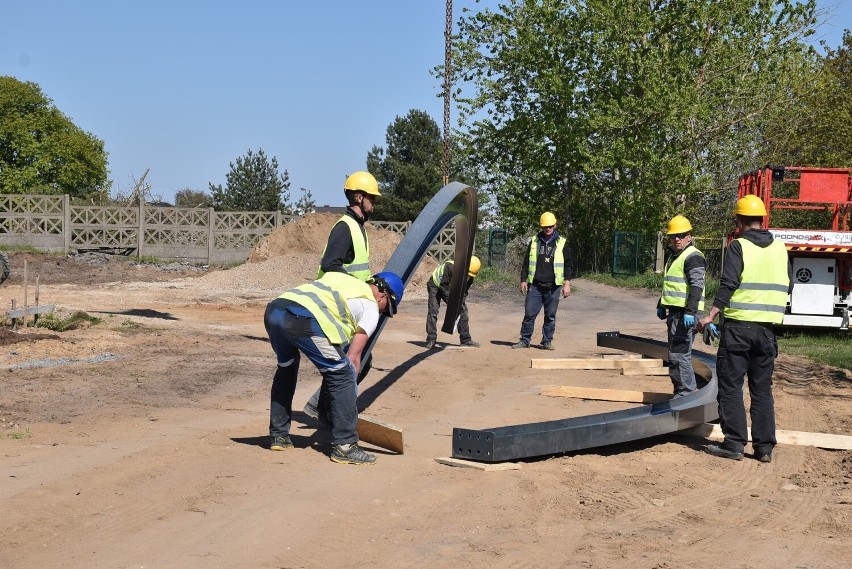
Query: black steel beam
{"x": 565, "y": 435}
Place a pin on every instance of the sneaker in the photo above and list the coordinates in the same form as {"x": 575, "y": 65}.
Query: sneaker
{"x": 520, "y": 345}
{"x": 351, "y": 454}
{"x": 430, "y": 344}
{"x": 470, "y": 343}
{"x": 720, "y": 451}
{"x": 763, "y": 456}
{"x": 311, "y": 410}
{"x": 546, "y": 346}
{"x": 280, "y": 443}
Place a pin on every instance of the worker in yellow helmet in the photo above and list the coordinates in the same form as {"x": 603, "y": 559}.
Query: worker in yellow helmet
{"x": 347, "y": 249}
{"x": 681, "y": 300}
{"x": 752, "y": 297}
{"x": 438, "y": 288}
{"x": 545, "y": 279}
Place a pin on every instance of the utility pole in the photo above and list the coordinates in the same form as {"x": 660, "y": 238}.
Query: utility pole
{"x": 448, "y": 32}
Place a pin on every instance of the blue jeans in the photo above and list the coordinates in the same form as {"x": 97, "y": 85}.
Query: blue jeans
{"x": 294, "y": 331}
{"x": 540, "y": 296}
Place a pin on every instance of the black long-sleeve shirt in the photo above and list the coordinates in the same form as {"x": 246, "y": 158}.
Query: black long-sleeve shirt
{"x": 732, "y": 269}
{"x": 544, "y": 271}
{"x": 340, "y": 250}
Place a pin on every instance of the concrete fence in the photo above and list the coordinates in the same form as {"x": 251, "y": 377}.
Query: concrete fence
{"x": 197, "y": 235}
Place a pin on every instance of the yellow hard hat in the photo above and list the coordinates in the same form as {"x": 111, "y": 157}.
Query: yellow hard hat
{"x": 474, "y": 266}
{"x": 679, "y": 224}
{"x": 547, "y": 219}
{"x": 362, "y": 182}
{"x": 751, "y": 206}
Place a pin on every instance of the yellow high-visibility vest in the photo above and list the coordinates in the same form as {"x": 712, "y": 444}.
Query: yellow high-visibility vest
{"x": 326, "y": 298}
{"x": 558, "y": 260}
{"x": 764, "y": 284}
{"x": 360, "y": 265}
{"x": 675, "y": 285}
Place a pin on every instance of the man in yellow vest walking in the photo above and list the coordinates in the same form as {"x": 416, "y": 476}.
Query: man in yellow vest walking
{"x": 544, "y": 281}
{"x": 680, "y": 302}
{"x": 753, "y": 292}
{"x": 329, "y": 320}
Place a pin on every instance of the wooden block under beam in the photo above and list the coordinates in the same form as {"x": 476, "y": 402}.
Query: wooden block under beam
{"x": 800, "y": 438}
{"x": 645, "y": 371}
{"x": 380, "y": 434}
{"x": 491, "y": 466}
{"x": 610, "y": 356}
{"x": 593, "y": 363}
{"x": 604, "y": 394}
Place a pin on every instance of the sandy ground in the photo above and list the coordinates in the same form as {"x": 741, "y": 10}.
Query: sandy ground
{"x": 144, "y": 446}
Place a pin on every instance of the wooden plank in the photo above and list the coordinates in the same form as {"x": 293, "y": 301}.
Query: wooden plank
{"x": 611, "y": 356}
{"x": 604, "y": 394}
{"x": 800, "y": 438}
{"x": 645, "y": 371}
{"x": 488, "y": 467}
{"x": 593, "y": 363}
{"x": 20, "y": 312}
{"x": 380, "y": 434}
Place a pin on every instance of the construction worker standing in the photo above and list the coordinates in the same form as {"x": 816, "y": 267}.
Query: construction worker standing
{"x": 329, "y": 320}
{"x": 752, "y": 296}
{"x": 438, "y": 288}
{"x": 681, "y": 300}
{"x": 544, "y": 281}
{"x": 347, "y": 249}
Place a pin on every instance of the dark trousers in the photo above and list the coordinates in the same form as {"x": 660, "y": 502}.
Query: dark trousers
{"x": 540, "y": 296}
{"x": 435, "y": 298}
{"x": 291, "y": 335}
{"x": 680, "y": 353}
{"x": 746, "y": 348}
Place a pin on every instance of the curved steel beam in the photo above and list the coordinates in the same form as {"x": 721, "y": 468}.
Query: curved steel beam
{"x": 455, "y": 201}
{"x": 566, "y": 435}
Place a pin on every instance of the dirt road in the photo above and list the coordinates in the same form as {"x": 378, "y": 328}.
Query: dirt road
{"x": 144, "y": 447}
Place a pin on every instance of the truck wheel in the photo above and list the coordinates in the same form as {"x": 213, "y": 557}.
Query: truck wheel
{"x": 4, "y": 267}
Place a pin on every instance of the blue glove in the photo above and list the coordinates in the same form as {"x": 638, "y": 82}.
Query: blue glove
{"x": 661, "y": 313}
{"x": 714, "y": 331}
{"x": 689, "y": 320}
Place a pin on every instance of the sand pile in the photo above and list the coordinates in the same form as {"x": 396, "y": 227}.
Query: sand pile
{"x": 290, "y": 256}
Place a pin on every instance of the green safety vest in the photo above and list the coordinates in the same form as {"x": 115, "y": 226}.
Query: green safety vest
{"x": 764, "y": 283}
{"x": 438, "y": 273}
{"x": 675, "y": 286}
{"x": 558, "y": 260}
{"x": 360, "y": 265}
{"x": 326, "y": 298}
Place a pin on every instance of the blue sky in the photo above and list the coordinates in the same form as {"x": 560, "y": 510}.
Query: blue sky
{"x": 184, "y": 87}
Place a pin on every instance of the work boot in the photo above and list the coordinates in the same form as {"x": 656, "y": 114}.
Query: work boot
{"x": 763, "y": 456}
{"x": 280, "y": 443}
{"x": 351, "y": 454}
{"x": 720, "y": 451}
{"x": 546, "y": 346}
{"x": 470, "y": 343}
{"x": 520, "y": 345}
{"x": 430, "y": 344}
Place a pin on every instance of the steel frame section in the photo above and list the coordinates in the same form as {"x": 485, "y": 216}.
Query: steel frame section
{"x": 566, "y": 435}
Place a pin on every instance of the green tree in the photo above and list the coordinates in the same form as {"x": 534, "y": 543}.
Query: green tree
{"x": 409, "y": 170}
{"x": 188, "y": 197}
{"x": 618, "y": 115}
{"x": 42, "y": 151}
{"x": 253, "y": 184}
{"x": 305, "y": 203}
{"x": 816, "y": 127}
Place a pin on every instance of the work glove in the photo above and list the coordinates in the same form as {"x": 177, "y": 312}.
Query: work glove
{"x": 711, "y": 332}
{"x": 689, "y": 320}
{"x": 661, "y": 313}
